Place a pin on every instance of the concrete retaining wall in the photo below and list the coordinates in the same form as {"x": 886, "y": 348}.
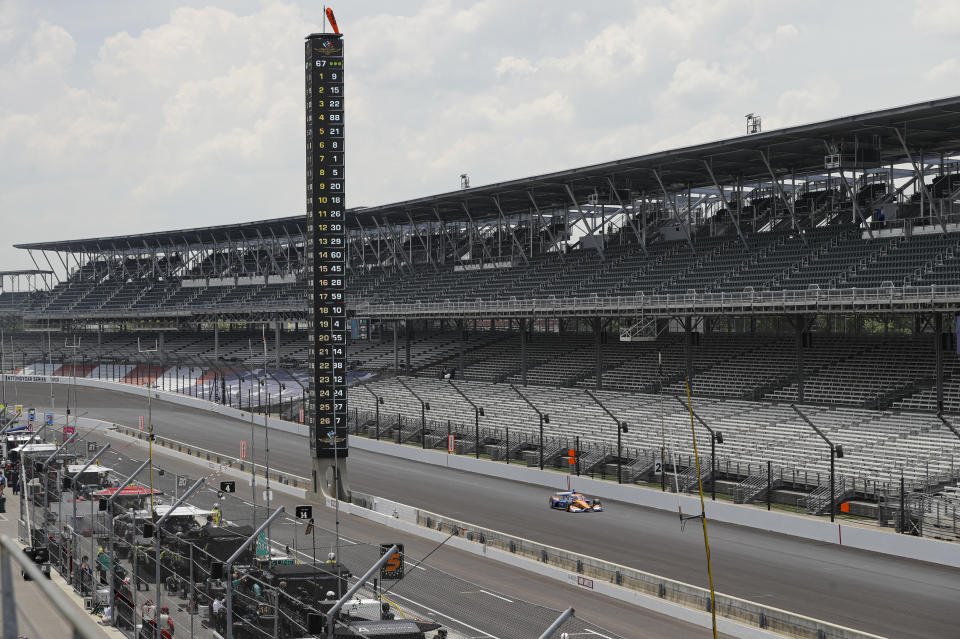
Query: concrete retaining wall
{"x": 166, "y": 396}
{"x": 860, "y": 537}
{"x": 398, "y": 516}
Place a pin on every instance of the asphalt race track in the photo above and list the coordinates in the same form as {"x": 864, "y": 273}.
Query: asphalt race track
{"x": 876, "y": 593}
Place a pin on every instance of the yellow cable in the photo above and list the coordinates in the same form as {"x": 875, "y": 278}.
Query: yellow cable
{"x": 703, "y": 515}
{"x": 394, "y": 605}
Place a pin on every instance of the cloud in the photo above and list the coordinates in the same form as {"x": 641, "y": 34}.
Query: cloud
{"x": 511, "y": 65}
{"x": 696, "y": 83}
{"x": 787, "y": 31}
{"x": 943, "y": 72}
{"x": 940, "y": 17}
{"x": 9, "y": 20}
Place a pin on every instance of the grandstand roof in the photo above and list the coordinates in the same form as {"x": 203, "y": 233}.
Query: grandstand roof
{"x": 295, "y": 224}
{"x": 927, "y": 127}
{"x": 930, "y": 127}
{"x": 25, "y": 272}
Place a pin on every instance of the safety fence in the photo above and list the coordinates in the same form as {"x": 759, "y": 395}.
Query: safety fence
{"x": 167, "y": 568}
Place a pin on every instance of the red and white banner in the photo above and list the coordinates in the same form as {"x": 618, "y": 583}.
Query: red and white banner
{"x": 243, "y": 449}
{"x": 450, "y": 444}
{"x": 141, "y": 420}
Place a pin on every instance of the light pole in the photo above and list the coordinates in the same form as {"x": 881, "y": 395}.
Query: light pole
{"x": 477, "y": 413}
{"x": 544, "y": 419}
{"x": 835, "y": 451}
{"x": 377, "y": 401}
{"x": 716, "y": 437}
{"x": 424, "y": 407}
{"x": 621, "y": 428}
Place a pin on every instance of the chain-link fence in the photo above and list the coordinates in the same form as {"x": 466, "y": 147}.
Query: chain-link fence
{"x": 155, "y": 571}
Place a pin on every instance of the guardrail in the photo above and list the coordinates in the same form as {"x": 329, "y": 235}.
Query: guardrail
{"x": 288, "y": 479}
{"x": 889, "y": 298}
{"x": 83, "y": 627}
{"x": 589, "y": 572}
{"x": 883, "y": 298}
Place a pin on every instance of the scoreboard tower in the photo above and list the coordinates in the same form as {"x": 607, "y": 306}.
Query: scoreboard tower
{"x": 326, "y": 260}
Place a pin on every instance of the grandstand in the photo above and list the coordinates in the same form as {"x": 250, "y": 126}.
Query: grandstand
{"x": 818, "y": 264}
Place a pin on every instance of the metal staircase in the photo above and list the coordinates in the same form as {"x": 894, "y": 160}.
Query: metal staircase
{"x": 753, "y": 487}
{"x": 687, "y": 480}
{"x": 818, "y": 501}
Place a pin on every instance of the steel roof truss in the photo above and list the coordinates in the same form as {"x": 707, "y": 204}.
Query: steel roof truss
{"x": 479, "y": 235}
{"x": 553, "y": 239}
{"x": 923, "y": 184}
{"x": 426, "y": 249}
{"x": 783, "y": 197}
{"x": 673, "y": 208}
{"x": 506, "y": 224}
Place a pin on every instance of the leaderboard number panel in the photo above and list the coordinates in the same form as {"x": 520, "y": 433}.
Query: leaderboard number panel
{"x": 326, "y": 212}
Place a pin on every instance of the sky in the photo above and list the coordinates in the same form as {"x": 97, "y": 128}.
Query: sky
{"x": 120, "y": 117}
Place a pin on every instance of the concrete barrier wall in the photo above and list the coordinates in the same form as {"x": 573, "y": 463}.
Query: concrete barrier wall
{"x": 395, "y": 515}
{"x": 166, "y": 396}
{"x": 816, "y": 529}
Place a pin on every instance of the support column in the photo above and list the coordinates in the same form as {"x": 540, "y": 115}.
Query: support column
{"x": 325, "y": 475}
{"x": 598, "y": 338}
{"x": 800, "y": 324}
{"x": 160, "y": 343}
{"x": 216, "y": 340}
{"x": 276, "y": 335}
{"x": 938, "y": 344}
{"x": 688, "y": 347}
{"x": 407, "y": 338}
{"x": 523, "y": 351}
{"x": 396, "y": 353}
{"x": 462, "y": 327}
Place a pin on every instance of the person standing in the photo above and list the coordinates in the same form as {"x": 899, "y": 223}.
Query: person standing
{"x": 219, "y": 616}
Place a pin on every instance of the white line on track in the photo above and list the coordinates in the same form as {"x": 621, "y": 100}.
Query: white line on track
{"x": 486, "y": 592}
{"x": 437, "y": 612}
{"x": 596, "y": 633}
{"x": 497, "y": 596}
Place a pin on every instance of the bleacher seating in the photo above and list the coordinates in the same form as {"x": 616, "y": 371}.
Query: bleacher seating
{"x": 878, "y": 445}
{"x": 835, "y": 256}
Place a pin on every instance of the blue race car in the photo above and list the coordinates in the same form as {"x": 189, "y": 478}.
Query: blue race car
{"x": 573, "y": 502}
